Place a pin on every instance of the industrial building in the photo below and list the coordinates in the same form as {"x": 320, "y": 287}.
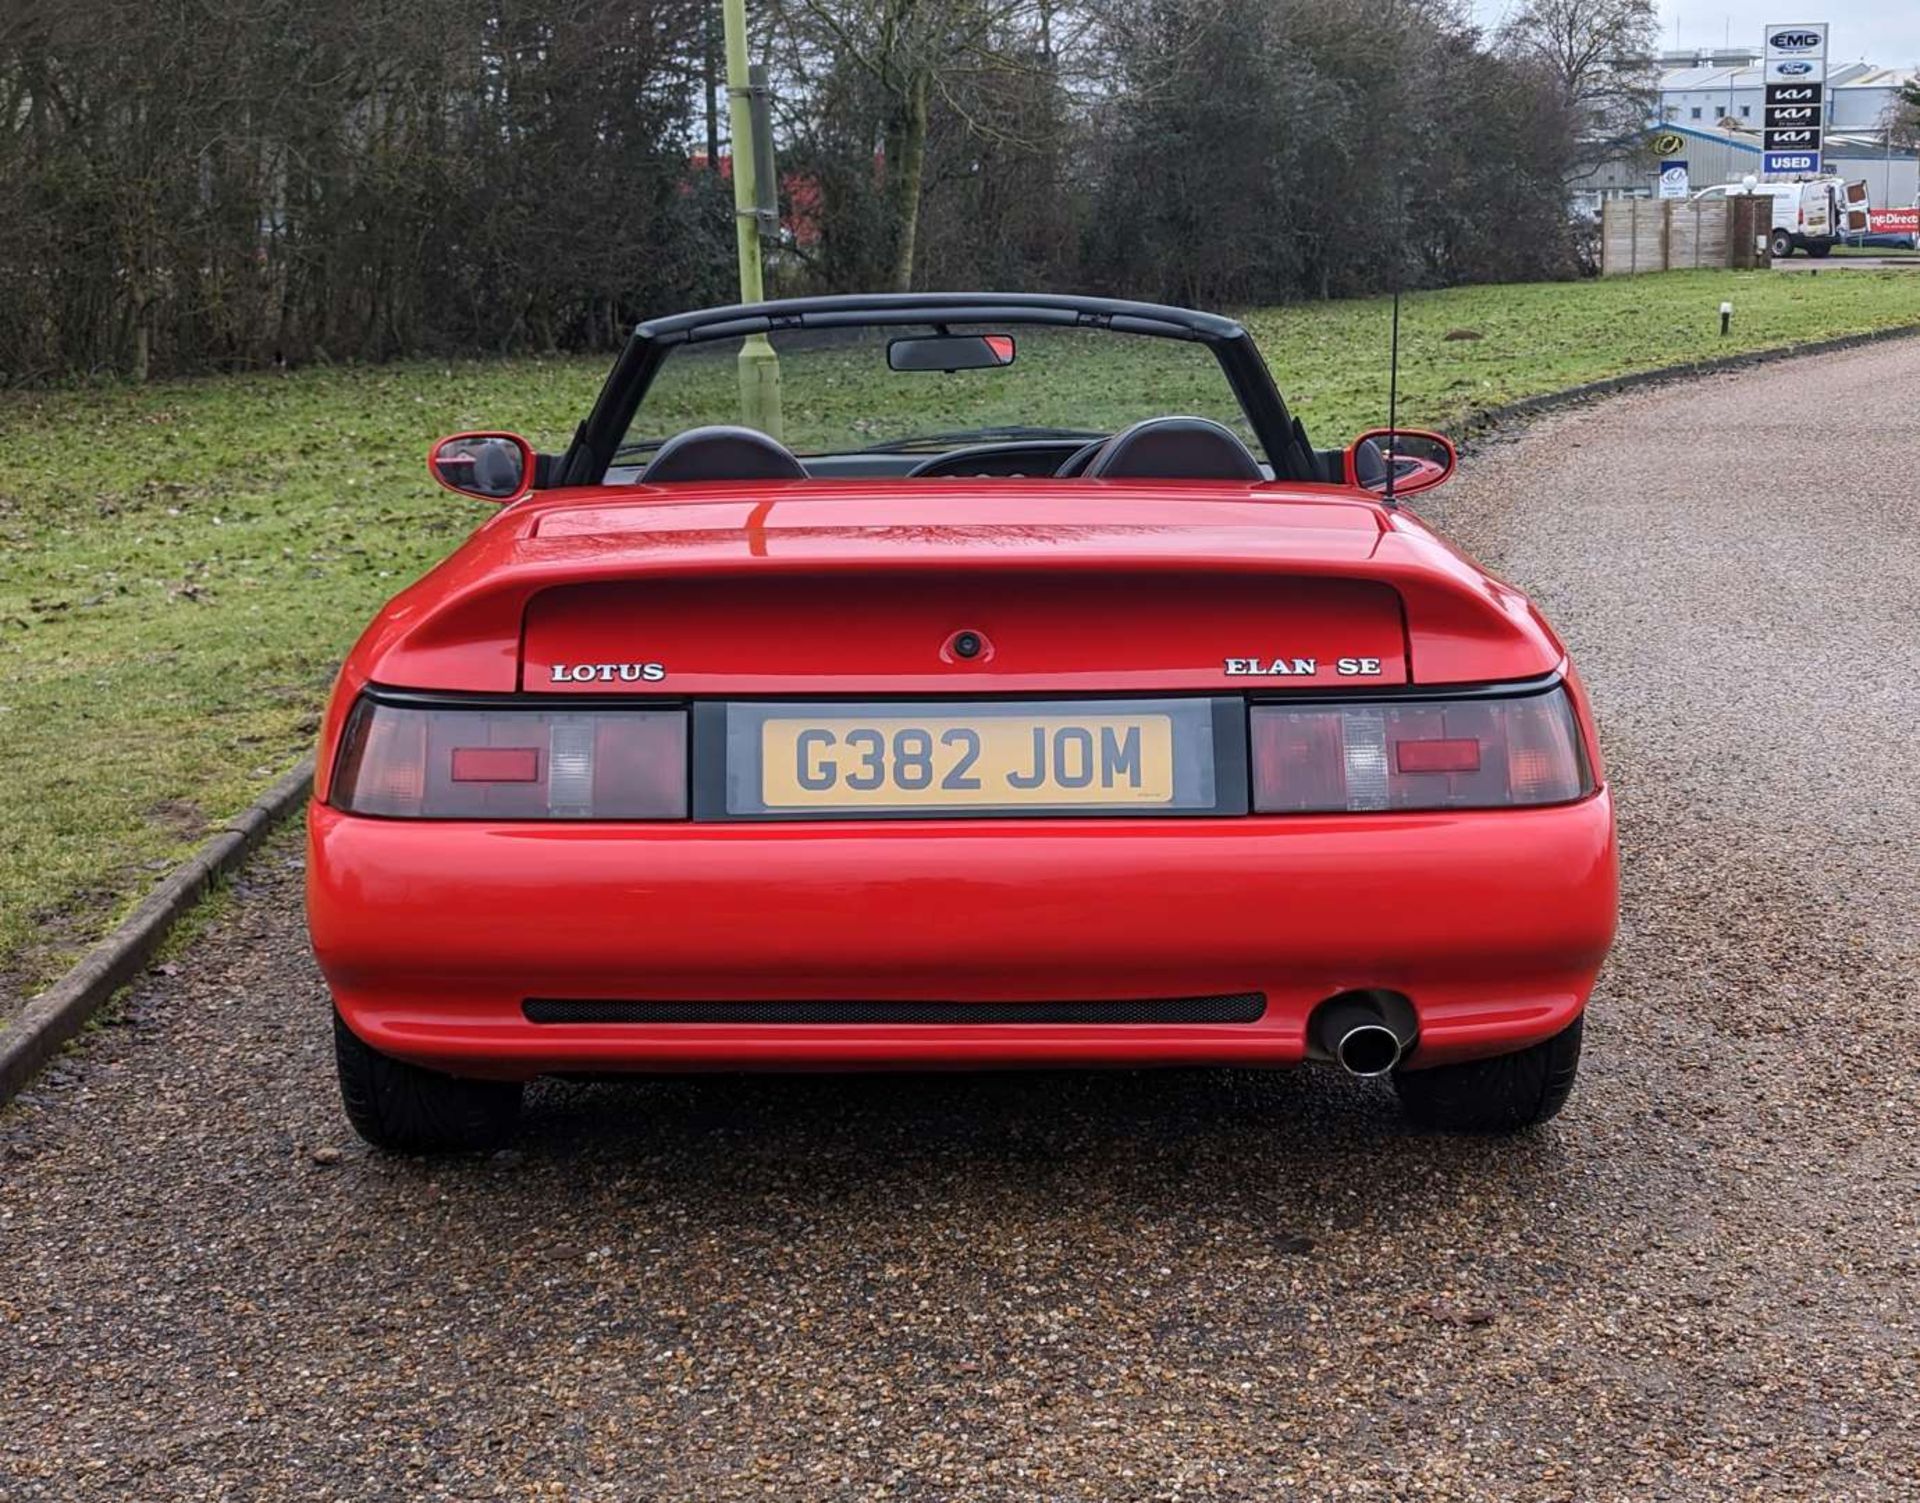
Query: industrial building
{"x": 1710, "y": 102}
{"x": 1728, "y": 86}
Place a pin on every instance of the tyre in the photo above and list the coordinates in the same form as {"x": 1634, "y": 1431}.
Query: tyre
{"x": 1821, "y": 251}
{"x": 407, "y": 1109}
{"x": 1781, "y": 244}
{"x": 1502, "y": 1094}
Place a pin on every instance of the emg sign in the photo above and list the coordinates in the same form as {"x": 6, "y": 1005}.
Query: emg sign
{"x": 1796, "y": 75}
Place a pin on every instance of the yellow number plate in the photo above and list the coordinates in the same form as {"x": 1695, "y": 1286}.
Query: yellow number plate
{"x": 958, "y": 762}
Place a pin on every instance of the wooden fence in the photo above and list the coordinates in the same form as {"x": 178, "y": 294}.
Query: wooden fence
{"x": 1671, "y": 234}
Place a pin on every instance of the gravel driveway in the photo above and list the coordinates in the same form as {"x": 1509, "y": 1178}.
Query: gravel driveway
{"x": 1700, "y": 1282}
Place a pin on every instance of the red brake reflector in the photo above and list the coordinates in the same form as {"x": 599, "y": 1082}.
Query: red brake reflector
{"x": 496, "y": 764}
{"x": 500, "y": 762}
{"x": 1438, "y": 756}
{"x": 1482, "y": 752}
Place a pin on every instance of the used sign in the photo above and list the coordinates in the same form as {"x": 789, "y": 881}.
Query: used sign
{"x": 1796, "y": 74}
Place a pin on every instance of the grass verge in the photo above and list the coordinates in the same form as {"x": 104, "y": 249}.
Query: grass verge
{"x": 182, "y": 565}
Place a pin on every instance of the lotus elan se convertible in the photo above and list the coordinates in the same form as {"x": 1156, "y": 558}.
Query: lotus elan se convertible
{"x": 968, "y": 709}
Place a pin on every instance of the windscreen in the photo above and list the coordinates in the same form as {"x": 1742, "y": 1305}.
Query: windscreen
{"x": 840, "y": 394}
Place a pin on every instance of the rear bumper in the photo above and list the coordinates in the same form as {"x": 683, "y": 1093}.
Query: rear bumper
{"x": 433, "y": 935}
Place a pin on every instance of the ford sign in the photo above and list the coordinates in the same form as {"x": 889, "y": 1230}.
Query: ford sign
{"x": 1795, "y": 41}
{"x": 1793, "y": 70}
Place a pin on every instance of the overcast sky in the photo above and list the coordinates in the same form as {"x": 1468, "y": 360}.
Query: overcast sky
{"x": 1886, "y": 32}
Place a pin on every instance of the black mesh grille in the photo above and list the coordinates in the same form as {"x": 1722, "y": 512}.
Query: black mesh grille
{"x": 1234, "y": 1007}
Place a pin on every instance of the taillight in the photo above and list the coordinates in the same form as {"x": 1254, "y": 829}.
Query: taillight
{"x": 407, "y": 762}
{"x": 1417, "y": 754}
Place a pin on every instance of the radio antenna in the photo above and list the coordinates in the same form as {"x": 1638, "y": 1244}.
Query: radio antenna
{"x": 1393, "y": 393}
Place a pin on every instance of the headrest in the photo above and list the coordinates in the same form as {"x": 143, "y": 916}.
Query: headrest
{"x": 722, "y": 453}
{"x": 1175, "y": 448}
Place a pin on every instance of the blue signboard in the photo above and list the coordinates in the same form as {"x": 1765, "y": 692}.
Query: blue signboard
{"x": 1791, "y": 162}
{"x": 1796, "y": 72}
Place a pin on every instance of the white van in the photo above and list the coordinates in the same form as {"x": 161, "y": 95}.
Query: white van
{"x": 1813, "y": 215}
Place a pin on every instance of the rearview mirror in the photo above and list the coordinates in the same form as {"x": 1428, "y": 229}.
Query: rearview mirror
{"x": 950, "y": 352}
{"x": 1417, "y": 460}
{"x": 493, "y": 466}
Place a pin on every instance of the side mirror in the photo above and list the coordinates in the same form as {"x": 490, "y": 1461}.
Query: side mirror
{"x": 1417, "y": 461}
{"x": 493, "y": 466}
{"x": 950, "y": 352}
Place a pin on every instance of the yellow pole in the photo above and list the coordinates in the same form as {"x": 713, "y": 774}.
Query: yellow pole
{"x": 759, "y": 365}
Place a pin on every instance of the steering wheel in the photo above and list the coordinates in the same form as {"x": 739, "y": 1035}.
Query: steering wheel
{"x": 1081, "y": 457}
{"x": 1005, "y": 458}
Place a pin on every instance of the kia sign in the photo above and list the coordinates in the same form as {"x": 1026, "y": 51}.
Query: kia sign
{"x": 1789, "y": 105}
{"x": 1795, "y": 112}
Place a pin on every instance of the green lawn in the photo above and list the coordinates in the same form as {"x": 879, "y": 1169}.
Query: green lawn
{"x": 182, "y": 565}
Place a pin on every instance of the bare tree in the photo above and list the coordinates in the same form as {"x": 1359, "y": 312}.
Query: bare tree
{"x": 1601, "y": 54}
{"x": 220, "y": 184}
{"x": 201, "y": 184}
{"x": 913, "y": 57}
{"x": 1257, "y": 151}
{"x": 1901, "y": 120}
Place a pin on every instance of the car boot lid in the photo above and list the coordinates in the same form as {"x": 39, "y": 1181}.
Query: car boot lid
{"x": 1097, "y": 585}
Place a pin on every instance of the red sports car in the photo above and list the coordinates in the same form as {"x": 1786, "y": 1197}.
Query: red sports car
{"x": 969, "y": 709}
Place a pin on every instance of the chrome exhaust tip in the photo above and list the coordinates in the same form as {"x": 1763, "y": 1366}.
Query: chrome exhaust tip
{"x": 1365, "y": 1033}
{"x": 1368, "y": 1049}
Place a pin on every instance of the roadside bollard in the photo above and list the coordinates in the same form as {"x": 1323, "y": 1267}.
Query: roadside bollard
{"x": 1726, "y": 319}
